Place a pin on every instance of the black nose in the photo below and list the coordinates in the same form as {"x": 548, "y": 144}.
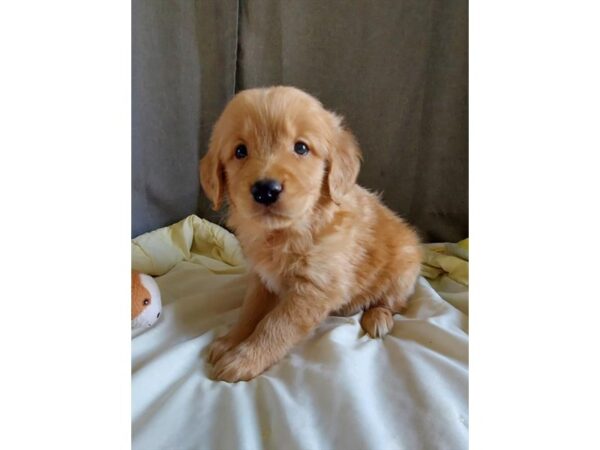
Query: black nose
{"x": 266, "y": 191}
{"x": 158, "y": 315}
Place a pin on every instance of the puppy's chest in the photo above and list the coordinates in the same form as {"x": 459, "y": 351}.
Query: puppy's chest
{"x": 277, "y": 266}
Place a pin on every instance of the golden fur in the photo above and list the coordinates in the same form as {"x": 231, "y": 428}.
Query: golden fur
{"x": 325, "y": 246}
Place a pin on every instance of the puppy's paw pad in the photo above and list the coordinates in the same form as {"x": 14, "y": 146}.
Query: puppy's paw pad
{"x": 377, "y": 322}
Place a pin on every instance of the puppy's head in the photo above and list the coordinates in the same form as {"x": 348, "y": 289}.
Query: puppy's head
{"x": 275, "y": 153}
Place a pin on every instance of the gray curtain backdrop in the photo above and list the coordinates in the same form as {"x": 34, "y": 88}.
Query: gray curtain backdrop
{"x": 397, "y": 70}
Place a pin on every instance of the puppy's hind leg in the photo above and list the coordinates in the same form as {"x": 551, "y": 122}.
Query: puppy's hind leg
{"x": 377, "y": 320}
{"x": 347, "y": 310}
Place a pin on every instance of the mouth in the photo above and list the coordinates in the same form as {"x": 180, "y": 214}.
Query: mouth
{"x": 270, "y": 216}
{"x": 270, "y": 212}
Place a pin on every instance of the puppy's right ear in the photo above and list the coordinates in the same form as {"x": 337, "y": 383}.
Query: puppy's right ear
{"x": 212, "y": 176}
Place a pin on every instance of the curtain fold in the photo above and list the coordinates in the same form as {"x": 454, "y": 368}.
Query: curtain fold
{"x": 183, "y": 72}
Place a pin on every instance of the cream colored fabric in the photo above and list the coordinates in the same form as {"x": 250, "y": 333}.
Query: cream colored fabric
{"x": 446, "y": 266}
{"x": 338, "y": 389}
{"x": 447, "y": 259}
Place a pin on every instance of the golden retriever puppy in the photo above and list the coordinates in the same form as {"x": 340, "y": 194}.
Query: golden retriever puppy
{"x": 316, "y": 242}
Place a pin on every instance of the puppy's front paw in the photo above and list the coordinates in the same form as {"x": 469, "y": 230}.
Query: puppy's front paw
{"x": 239, "y": 364}
{"x": 218, "y": 348}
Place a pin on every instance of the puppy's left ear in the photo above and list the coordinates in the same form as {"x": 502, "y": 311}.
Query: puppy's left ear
{"x": 344, "y": 164}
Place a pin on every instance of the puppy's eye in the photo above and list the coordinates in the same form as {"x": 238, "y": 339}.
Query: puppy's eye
{"x": 241, "y": 151}
{"x": 301, "y": 148}
{"x": 146, "y": 302}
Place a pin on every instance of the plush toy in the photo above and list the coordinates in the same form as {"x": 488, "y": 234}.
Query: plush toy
{"x": 145, "y": 300}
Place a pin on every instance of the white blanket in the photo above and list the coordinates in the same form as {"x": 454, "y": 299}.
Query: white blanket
{"x": 338, "y": 389}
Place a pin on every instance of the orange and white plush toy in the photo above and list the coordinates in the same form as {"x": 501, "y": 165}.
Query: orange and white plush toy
{"x": 145, "y": 300}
